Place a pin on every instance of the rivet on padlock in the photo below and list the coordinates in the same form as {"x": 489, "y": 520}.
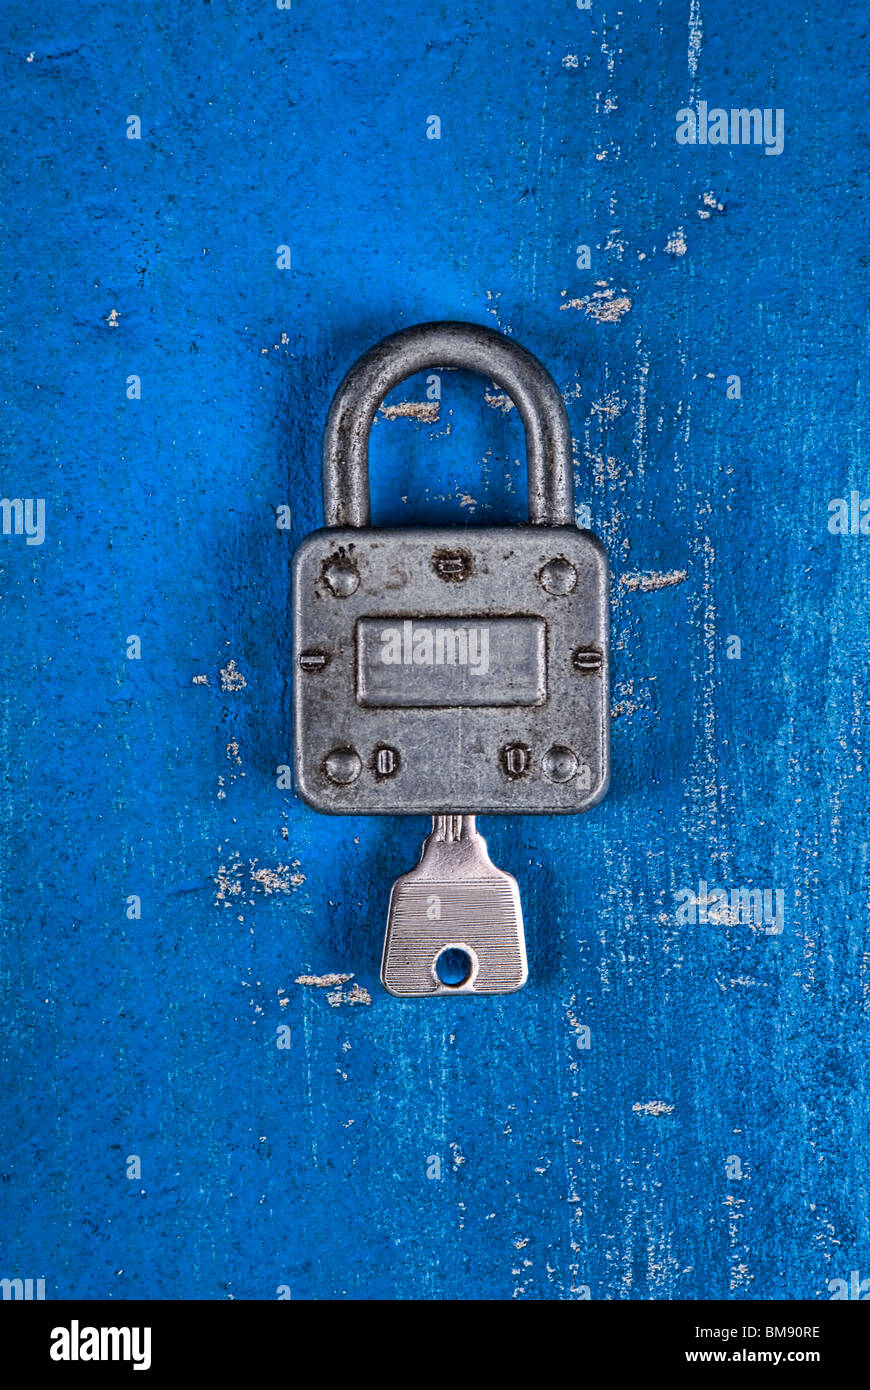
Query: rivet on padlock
{"x": 454, "y": 672}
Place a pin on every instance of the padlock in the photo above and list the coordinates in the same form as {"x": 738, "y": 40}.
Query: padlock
{"x": 451, "y": 671}
{"x": 443, "y": 669}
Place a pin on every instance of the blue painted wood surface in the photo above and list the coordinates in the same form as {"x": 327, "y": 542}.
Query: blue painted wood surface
{"x": 710, "y": 1140}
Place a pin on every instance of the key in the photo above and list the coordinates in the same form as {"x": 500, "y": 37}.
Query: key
{"x": 455, "y": 922}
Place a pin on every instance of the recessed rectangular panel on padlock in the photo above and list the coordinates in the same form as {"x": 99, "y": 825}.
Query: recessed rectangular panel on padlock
{"x": 432, "y": 662}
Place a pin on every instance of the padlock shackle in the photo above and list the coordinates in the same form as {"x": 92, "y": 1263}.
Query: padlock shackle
{"x": 477, "y": 349}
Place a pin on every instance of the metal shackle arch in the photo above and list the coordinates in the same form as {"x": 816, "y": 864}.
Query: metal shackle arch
{"x": 450, "y": 344}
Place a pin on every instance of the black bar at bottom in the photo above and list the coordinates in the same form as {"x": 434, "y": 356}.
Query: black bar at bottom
{"x": 157, "y": 1339}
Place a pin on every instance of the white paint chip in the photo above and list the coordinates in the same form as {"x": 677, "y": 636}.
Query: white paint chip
{"x": 337, "y": 995}
{"x": 646, "y": 583}
{"x": 232, "y": 678}
{"x": 427, "y": 411}
{"x": 323, "y": 981}
{"x": 502, "y": 403}
{"x": 355, "y": 995}
{"x": 652, "y": 1107}
{"x": 604, "y": 305}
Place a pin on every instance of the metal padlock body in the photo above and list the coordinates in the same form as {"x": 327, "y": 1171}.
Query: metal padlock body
{"x": 447, "y": 669}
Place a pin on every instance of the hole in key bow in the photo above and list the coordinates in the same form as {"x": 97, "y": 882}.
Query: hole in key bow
{"x": 453, "y": 966}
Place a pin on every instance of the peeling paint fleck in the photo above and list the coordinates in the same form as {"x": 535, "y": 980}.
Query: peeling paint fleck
{"x": 645, "y": 583}
{"x": 695, "y": 36}
{"x": 355, "y": 995}
{"x": 610, "y": 405}
{"x": 244, "y": 880}
{"x": 604, "y": 305}
{"x": 428, "y": 411}
{"x": 232, "y": 678}
{"x": 323, "y": 981}
{"x": 652, "y": 1107}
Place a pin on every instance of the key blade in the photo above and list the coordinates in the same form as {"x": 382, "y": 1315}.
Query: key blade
{"x": 455, "y": 900}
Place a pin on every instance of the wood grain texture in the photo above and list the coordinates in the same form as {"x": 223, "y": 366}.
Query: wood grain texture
{"x": 567, "y": 1171}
